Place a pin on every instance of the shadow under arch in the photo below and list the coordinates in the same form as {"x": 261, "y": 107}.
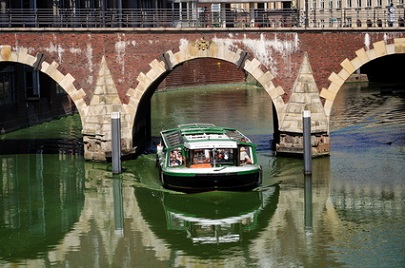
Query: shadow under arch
{"x": 39, "y": 63}
{"x": 380, "y": 49}
{"x": 160, "y": 68}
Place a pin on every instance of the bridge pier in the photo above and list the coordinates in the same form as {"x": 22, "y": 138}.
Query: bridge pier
{"x": 97, "y": 136}
{"x": 304, "y": 96}
{"x": 97, "y": 133}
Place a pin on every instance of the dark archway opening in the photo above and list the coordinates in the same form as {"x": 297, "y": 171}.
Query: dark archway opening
{"x": 386, "y": 69}
{"x": 29, "y": 97}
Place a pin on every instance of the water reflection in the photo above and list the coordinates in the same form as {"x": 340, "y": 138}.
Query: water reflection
{"x": 118, "y": 206}
{"x": 41, "y": 200}
{"x": 58, "y": 210}
{"x": 308, "y": 202}
{"x": 61, "y": 136}
{"x": 207, "y": 218}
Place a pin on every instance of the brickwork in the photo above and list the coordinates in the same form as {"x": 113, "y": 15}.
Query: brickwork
{"x": 128, "y": 54}
{"x": 204, "y": 72}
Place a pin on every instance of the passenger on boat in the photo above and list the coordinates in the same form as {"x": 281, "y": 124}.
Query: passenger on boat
{"x": 175, "y": 158}
{"x": 207, "y": 156}
{"x": 244, "y": 156}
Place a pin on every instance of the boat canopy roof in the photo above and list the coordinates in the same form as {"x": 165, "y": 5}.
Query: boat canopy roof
{"x": 201, "y": 135}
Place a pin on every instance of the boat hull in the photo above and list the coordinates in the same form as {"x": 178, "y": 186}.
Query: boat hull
{"x": 192, "y": 182}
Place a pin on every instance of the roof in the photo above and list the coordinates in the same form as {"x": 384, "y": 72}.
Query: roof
{"x": 201, "y": 133}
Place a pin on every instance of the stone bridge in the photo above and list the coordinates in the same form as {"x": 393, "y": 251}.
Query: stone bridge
{"x": 117, "y": 70}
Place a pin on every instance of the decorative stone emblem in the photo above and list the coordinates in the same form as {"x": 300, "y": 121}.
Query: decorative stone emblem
{"x": 5, "y": 52}
{"x": 203, "y": 44}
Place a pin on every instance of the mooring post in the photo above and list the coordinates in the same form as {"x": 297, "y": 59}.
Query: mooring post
{"x": 116, "y": 142}
{"x": 307, "y": 142}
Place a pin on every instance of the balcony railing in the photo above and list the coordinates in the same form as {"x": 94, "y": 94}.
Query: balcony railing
{"x": 167, "y": 18}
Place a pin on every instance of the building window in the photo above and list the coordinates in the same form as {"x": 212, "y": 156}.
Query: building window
{"x": 379, "y": 3}
{"x": 322, "y": 4}
{"x": 368, "y": 3}
{"x": 348, "y": 22}
{"x": 339, "y": 4}
{"x": 358, "y": 3}
{"x": 314, "y": 4}
{"x": 7, "y": 85}
{"x": 331, "y": 4}
{"x": 314, "y": 23}
{"x": 349, "y": 3}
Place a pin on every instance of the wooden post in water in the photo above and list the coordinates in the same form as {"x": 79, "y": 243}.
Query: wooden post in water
{"x": 307, "y": 142}
{"x": 116, "y": 142}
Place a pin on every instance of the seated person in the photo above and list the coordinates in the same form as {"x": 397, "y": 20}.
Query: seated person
{"x": 175, "y": 158}
{"x": 207, "y": 154}
{"x": 244, "y": 157}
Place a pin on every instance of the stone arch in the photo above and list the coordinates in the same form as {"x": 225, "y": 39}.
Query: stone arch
{"x": 38, "y": 62}
{"x": 380, "y": 49}
{"x": 204, "y": 49}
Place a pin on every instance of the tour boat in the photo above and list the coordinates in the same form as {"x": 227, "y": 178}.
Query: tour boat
{"x": 204, "y": 157}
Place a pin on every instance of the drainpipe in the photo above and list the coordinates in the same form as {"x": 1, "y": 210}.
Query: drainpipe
{"x": 306, "y": 14}
{"x": 120, "y": 13}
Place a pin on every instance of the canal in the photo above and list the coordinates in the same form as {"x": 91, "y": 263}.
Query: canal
{"x": 58, "y": 210}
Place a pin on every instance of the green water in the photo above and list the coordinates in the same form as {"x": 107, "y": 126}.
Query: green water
{"x": 57, "y": 210}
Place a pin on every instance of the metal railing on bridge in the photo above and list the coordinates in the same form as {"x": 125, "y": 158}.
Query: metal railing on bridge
{"x": 377, "y": 17}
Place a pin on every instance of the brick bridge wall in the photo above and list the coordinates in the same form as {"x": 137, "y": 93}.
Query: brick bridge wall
{"x": 129, "y": 53}
{"x": 122, "y": 57}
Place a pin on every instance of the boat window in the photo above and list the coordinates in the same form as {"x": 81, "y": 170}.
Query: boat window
{"x": 201, "y": 156}
{"x": 176, "y": 159}
{"x": 224, "y": 156}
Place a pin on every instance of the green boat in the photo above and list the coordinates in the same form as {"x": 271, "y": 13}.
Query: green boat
{"x": 204, "y": 157}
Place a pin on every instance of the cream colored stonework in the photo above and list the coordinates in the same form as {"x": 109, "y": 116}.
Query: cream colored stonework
{"x": 5, "y": 53}
{"x": 304, "y": 96}
{"x": 336, "y": 79}
{"x": 380, "y": 49}
{"x": 399, "y": 45}
{"x": 21, "y": 55}
{"x": 348, "y": 66}
{"x": 362, "y": 55}
{"x": 97, "y": 134}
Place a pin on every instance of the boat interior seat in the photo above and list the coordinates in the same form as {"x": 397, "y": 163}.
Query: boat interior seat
{"x": 203, "y": 165}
